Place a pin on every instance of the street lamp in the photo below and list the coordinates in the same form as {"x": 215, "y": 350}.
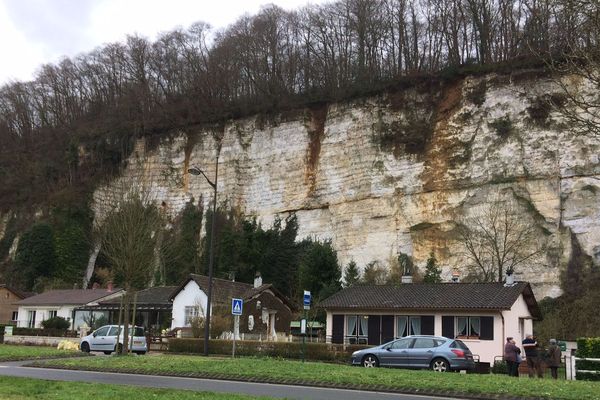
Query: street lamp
{"x": 194, "y": 170}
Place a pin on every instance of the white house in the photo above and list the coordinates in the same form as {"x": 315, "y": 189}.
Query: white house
{"x": 61, "y": 303}
{"x": 482, "y": 315}
{"x": 266, "y": 311}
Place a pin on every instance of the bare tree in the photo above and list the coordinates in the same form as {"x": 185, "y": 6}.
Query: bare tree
{"x": 130, "y": 235}
{"x": 498, "y": 241}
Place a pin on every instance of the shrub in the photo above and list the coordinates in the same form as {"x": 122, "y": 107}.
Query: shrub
{"x": 500, "y": 367}
{"x": 57, "y": 323}
{"x": 539, "y": 110}
{"x": 502, "y": 126}
{"x": 588, "y": 348}
{"x": 290, "y": 350}
{"x": 477, "y": 94}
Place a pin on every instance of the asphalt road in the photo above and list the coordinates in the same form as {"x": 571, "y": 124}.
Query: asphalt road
{"x": 256, "y": 389}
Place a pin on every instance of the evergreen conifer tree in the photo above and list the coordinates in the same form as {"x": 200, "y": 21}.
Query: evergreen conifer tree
{"x": 351, "y": 275}
{"x": 433, "y": 274}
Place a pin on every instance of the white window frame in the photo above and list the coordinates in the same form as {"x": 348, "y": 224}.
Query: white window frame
{"x": 408, "y": 329}
{"x": 469, "y": 333}
{"x": 189, "y": 313}
{"x": 15, "y": 316}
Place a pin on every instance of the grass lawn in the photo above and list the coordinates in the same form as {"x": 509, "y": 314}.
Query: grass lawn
{"x": 9, "y": 352}
{"x": 28, "y": 389}
{"x": 263, "y": 368}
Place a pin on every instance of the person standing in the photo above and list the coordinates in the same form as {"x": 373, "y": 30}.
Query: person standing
{"x": 534, "y": 365}
{"x": 554, "y": 358}
{"x": 511, "y": 355}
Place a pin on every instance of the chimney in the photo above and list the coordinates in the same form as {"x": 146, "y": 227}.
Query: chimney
{"x": 109, "y": 286}
{"x": 455, "y": 275}
{"x": 257, "y": 280}
{"x": 407, "y": 279}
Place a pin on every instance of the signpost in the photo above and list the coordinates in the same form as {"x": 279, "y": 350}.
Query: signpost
{"x": 306, "y": 301}
{"x": 237, "y": 305}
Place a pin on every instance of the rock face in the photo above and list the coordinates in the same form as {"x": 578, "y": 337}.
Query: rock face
{"x": 398, "y": 172}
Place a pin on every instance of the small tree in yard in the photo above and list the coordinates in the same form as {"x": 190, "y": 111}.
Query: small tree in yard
{"x": 129, "y": 237}
{"x": 58, "y": 323}
{"x": 497, "y": 241}
{"x": 433, "y": 274}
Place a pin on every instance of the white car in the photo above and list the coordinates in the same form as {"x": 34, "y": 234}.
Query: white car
{"x": 105, "y": 339}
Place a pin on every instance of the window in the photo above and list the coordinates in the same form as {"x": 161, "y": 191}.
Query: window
{"x": 424, "y": 343}
{"x": 52, "y": 314}
{"x": 31, "y": 319}
{"x": 469, "y": 327}
{"x": 102, "y": 331}
{"x": 406, "y": 326}
{"x": 357, "y": 328}
{"x": 191, "y": 312}
{"x": 401, "y": 344}
{"x": 114, "y": 331}
{"x": 15, "y": 316}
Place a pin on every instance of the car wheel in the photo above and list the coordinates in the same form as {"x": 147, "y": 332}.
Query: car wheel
{"x": 119, "y": 348}
{"x": 85, "y": 347}
{"x": 370, "y": 361}
{"x": 108, "y": 353}
{"x": 141, "y": 353}
{"x": 440, "y": 365}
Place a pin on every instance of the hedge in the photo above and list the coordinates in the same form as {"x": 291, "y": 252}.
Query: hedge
{"x": 588, "y": 348}
{"x": 290, "y": 350}
{"x": 44, "y": 332}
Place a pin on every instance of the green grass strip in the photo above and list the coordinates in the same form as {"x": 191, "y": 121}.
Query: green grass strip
{"x": 10, "y": 352}
{"x": 12, "y": 388}
{"x": 264, "y": 369}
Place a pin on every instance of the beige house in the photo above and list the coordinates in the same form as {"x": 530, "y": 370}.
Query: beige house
{"x": 482, "y": 315}
{"x": 9, "y": 310}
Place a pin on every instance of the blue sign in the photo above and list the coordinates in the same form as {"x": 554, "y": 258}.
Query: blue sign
{"x": 236, "y": 306}
{"x": 306, "y": 300}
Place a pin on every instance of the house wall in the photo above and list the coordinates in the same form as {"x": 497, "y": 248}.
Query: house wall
{"x": 7, "y": 305}
{"x": 270, "y": 303}
{"x": 42, "y": 313}
{"x": 515, "y": 322}
{"x": 190, "y": 295}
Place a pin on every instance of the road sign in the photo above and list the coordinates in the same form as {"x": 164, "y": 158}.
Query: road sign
{"x": 307, "y": 300}
{"x": 236, "y": 306}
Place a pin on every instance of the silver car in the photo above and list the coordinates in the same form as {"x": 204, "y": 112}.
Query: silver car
{"x": 420, "y": 351}
{"x": 105, "y": 339}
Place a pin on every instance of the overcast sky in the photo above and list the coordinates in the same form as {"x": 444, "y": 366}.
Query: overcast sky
{"x": 36, "y": 32}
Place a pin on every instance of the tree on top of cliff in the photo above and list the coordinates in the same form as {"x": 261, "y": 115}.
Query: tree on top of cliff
{"x": 497, "y": 240}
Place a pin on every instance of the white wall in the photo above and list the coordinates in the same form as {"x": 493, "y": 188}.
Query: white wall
{"x": 42, "y": 313}
{"x": 191, "y": 295}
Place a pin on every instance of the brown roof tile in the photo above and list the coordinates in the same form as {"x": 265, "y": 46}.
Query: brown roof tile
{"x": 70, "y": 296}
{"x": 432, "y": 296}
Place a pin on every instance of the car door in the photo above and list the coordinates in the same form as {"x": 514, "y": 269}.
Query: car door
{"x": 99, "y": 339}
{"x": 111, "y": 338}
{"x": 421, "y": 352}
{"x": 397, "y": 353}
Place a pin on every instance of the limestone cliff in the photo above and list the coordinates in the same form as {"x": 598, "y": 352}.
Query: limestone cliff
{"x": 398, "y": 171}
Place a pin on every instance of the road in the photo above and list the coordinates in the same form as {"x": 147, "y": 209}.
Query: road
{"x": 249, "y": 388}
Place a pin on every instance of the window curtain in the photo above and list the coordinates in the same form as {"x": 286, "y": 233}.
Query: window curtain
{"x": 364, "y": 325}
{"x": 401, "y": 326}
{"x": 462, "y": 326}
{"x": 415, "y": 325}
{"x": 351, "y": 325}
{"x": 475, "y": 326}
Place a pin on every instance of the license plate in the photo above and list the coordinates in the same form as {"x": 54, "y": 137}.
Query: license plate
{"x": 137, "y": 342}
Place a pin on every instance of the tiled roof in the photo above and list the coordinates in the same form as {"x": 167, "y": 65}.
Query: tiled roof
{"x": 153, "y": 295}
{"x": 433, "y": 296}
{"x": 18, "y": 292}
{"x": 70, "y": 296}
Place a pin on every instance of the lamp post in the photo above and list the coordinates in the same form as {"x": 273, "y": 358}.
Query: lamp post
{"x": 194, "y": 170}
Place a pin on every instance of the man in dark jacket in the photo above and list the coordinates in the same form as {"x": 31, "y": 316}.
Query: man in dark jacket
{"x": 534, "y": 365}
